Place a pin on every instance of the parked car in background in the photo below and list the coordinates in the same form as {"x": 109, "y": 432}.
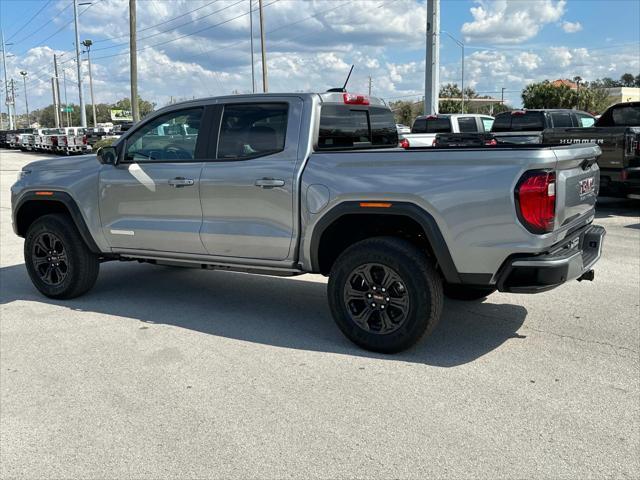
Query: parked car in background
{"x": 402, "y": 129}
{"x": 425, "y": 128}
{"x": 617, "y": 133}
{"x": 49, "y": 139}
{"x": 287, "y": 184}
{"x": 73, "y": 140}
{"x": 526, "y": 126}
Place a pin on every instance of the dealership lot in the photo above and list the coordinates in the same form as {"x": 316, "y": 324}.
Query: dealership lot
{"x": 162, "y": 372}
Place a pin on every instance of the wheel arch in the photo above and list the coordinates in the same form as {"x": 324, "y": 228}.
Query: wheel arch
{"x": 405, "y": 214}
{"x": 33, "y": 205}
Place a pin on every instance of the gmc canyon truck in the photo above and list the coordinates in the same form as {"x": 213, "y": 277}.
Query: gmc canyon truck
{"x": 287, "y": 184}
{"x": 617, "y": 132}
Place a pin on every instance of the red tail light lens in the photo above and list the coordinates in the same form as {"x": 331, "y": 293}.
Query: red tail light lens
{"x": 355, "y": 99}
{"x": 84, "y": 139}
{"x": 518, "y": 112}
{"x": 536, "y": 200}
{"x": 435, "y": 142}
{"x": 432, "y": 117}
{"x": 404, "y": 143}
{"x": 491, "y": 142}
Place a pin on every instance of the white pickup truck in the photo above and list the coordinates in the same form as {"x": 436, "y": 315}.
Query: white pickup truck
{"x": 425, "y": 127}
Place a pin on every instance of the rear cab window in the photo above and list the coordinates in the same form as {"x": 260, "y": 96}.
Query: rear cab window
{"x": 439, "y": 124}
{"x": 467, "y": 124}
{"x": 519, "y": 121}
{"x": 355, "y": 127}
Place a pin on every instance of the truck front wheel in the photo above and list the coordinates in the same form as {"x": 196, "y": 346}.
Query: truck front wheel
{"x": 385, "y": 294}
{"x": 58, "y": 261}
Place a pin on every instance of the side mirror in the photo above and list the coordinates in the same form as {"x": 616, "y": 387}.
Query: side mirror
{"x": 107, "y": 155}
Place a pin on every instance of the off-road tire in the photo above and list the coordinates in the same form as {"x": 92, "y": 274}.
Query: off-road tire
{"x": 419, "y": 279}
{"x": 82, "y": 266}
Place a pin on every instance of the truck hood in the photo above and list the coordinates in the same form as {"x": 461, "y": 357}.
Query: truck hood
{"x": 64, "y": 163}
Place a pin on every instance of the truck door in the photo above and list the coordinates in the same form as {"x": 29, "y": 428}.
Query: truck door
{"x": 150, "y": 199}
{"x": 247, "y": 190}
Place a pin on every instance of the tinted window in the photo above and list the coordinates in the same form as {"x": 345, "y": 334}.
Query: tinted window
{"x": 502, "y": 123}
{"x": 432, "y": 125}
{"x": 529, "y": 121}
{"x": 170, "y": 137}
{"x": 487, "y": 123}
{"x": 561, "y": 119}
{"x": 252, "y": 130}
{"x": 626, "y": 116}
{"x": 342, "y": 126}
{"x": 467, "y": 124}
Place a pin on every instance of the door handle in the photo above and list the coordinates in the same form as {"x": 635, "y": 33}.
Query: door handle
{"x": 269, "y": 182}
{"x": 181, "y": 182}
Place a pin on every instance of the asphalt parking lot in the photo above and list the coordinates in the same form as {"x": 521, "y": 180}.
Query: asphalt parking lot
{"x": 179, "y": 373}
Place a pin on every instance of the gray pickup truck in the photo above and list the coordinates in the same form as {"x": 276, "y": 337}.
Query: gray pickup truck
{"x": 287, "y": 184}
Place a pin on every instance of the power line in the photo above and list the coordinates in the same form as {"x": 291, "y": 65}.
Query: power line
{"x": 43, "y": 25}
{"x": 183, "y": 36}
{"x": 66, "y": 24}
{"x": 170, "y": 29}
{"x": 30, "y": 20}
{"x": 158, "y": 24}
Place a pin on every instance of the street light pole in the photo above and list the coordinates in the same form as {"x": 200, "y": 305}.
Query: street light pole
{"x": 265, "y": 84}
{"x": 83, "y": 113}
{"x": 88, "y": 43}
{"x": 133, "y": 60}
{"x": 253, "y": 72}
{"x": 26, "y": 101}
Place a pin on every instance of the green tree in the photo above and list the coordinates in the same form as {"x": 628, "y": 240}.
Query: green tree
{"x": 627, "y": 80}
{"x": 145, "y": 106}
{"x": 546, "y": 95}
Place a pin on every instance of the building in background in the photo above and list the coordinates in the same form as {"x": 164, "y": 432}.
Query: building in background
{"x": 623, "y": 94}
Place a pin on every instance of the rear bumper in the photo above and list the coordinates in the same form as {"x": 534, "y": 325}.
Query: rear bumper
{"x": 571, "y": 259}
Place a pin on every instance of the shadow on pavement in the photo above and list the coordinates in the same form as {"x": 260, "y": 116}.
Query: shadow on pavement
{"x": 617, "y": 207}
{"x": 284, "y": 312}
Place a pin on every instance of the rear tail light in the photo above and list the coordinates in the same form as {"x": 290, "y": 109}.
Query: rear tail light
{"x": 432, "y": 117}
{"x": 518, "y": 112}
{"x": 65, "y": 140}
{"x": 536, "y": 200}
{"x": 435, "y": 142}
{"x": 404, "y": 143}
{"x": 491, "y": 142}
{"x": 84, "y": 139}
{"x": 355, "y": 99}
{"x": 54, "y": 141}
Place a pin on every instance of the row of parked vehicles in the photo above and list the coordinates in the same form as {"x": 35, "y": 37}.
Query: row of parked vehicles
{"x": 616, "y": 132}
{"x": 66, "y": 140}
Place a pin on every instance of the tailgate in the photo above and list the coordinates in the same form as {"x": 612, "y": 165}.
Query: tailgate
{"x": 577, "y": 183}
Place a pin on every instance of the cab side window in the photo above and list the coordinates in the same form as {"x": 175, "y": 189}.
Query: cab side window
{"x": 585, "y": 121}
{"x": 467, "y": 124}
{"x": 252, "y": 130}
{"x": 171, "y": 137}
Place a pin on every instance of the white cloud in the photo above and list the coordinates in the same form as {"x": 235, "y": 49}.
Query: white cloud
{"x": 503, "y": 21}
{"x": 529, "y": 61}
{"x": 571, "y": 27}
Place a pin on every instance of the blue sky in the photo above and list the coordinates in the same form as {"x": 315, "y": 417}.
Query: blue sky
{"x": 311, "y": 44}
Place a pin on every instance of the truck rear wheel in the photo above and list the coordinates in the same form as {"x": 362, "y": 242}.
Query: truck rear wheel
{"x": 58, "y": 261}
{"x": 467, "y": 292}
{"x": 385, "y": 294}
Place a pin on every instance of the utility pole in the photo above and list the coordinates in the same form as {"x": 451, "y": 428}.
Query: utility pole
{"x": 83, "y": 113}
{"x": 502, "y": 96}
{"x": 265, "y": 85}
{"x": 432, "y": 59}
{"x": 369, "y": 85}
{"x": 13, "y": 102}
{"x": 66, "y": 103}
{"x": 88, "y": 43}
{"x": 55, "y": 101}
{"x": 56, "y": 92}
{"x": 26, "y": 101}
{"x": 253, "y": 73}
{"x": 133, "y": 60}
{"x": 7, "y": 100}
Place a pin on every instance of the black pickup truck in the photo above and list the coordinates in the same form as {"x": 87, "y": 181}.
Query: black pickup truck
{"x": 617, "y": 133}
{"x": 526, "y": 126}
